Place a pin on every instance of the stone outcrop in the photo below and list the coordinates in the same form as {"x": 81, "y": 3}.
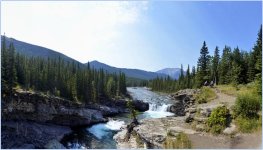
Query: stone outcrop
{"x": 183, "y": 100}
{"x": 48, "y": 109}
{"x": 151, "y": 133}
{"x": 114, "y": 107}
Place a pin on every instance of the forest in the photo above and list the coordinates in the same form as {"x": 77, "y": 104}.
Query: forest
{"x": 56, "y": 76}
{"x": 233, "y": 67}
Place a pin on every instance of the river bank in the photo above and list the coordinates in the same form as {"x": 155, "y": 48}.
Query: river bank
{"x": 101, "y": 135}
{"x": 34, "y": 120}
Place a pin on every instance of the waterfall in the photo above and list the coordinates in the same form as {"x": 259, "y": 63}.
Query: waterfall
{"x": 160, "y": 108}
{"x": 157, "y": 111}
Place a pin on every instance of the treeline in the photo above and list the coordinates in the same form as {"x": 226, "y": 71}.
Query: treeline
{"x": 58, "y": 77}
{"x": 232, "y": 67}
{"x": 135, "y": 82}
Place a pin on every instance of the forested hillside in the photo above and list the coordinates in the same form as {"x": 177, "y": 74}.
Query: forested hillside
{"x": 57, "y": 76}
{"x": 234, "y": 67}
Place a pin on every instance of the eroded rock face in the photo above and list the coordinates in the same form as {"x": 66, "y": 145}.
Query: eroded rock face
{"x": 48, "y": 109}
{"x": 30, "y": 135}
{"x": 183, "y": 100}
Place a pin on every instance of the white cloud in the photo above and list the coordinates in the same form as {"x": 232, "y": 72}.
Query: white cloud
{"x": 83, "y": 30}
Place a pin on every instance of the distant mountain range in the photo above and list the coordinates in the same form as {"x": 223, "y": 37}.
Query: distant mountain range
{"x": 39, "y": 51}
{"x": 135, "y": 73}
{"x": 174, "y": 73}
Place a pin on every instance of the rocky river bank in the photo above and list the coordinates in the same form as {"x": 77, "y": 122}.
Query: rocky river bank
{"x": 34, "y": 120}
{"x": 190, "y": 119}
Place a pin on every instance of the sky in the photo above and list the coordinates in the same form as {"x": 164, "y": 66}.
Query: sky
{"x": 148, "y": 35}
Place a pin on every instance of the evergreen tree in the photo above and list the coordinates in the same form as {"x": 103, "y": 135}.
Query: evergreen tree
{"x": 225, "y": 66}
{"x": 236, "y": 66}
{"x": 215, "y": 65}
{"x": 188, "y": 78}
{"x": 203, "y": 66}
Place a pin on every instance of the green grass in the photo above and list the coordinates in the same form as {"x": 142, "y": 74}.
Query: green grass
{"x": 227, "y": 89}
{"x": 247, "y": 125}
{"x": 180, "y": 141}
{"x": 206, "y": 94}
{"x": 247, "y": 111}
{"x": 247, "y": 105}
{"x": 235, "y": 90}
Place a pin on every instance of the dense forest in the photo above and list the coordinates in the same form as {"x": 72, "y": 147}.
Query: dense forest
{"x": 56, "y": 76}
{"x": 233, "y": 67}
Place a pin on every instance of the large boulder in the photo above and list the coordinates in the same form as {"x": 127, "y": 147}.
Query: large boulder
{"x": 140, "y": 105}
{"x": 183, "y": 100}
{"x": 183, "y": 93}
{"x": 177, "y": 108}
{"x": 31, "y": 135}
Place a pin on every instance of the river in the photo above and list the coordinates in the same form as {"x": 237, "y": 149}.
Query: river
{"x": 100, "y": 136}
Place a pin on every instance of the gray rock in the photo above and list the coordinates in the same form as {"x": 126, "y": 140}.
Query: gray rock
{"x": 177, "y": 108}
{"x": 18, "y": 134}
{"x": 200, "y": 127}
{"x": 200, "y": 119}
{"x": 54, "y": 144}
{"x": 27, "y": 146}
{"x": 191, "y": 110}
{"x": 37, "y": 107}
{"x": 189, "y": 117}
{"x": 230, "y": 130}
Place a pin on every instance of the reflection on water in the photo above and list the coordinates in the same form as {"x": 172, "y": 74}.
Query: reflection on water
{"x": 104, "y": 129}
{"x": 101, "y": 135}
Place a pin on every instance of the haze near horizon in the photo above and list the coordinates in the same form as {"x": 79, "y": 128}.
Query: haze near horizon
{"x": 143, "y": 35}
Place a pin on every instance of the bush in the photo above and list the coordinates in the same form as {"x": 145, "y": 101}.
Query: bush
{"x": 247, "y": 105}
{"x": 217, "y": 121}
{"x": 206, "y": 95}
{"x": 248, "y": 125}
{"x": 181, "y": 141}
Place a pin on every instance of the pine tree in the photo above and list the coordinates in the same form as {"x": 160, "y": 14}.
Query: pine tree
{"x": 11, "y": 72}
{"x": 215, "y": 65}
{"x": 188, "y": 78}
{"x": 236, "y": 66}
{"x": 258, "y": 65}
{"x": 4, "y": 63}
{"x": 225, "y": 66}
{"x": 203, "y": 66}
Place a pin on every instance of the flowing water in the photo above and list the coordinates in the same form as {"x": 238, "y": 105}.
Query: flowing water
{"x": 101, "y": 135}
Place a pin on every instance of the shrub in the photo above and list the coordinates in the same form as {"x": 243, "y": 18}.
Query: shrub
{"x": 247, "y": 105}
{"x": 248, "y": 125}
{"x": 217, "y": 121}
{"x": 206, "y": 94}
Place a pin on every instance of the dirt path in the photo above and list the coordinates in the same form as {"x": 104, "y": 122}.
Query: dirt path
{"x": 240, "y": 140}
{"x": 220, "y": 99}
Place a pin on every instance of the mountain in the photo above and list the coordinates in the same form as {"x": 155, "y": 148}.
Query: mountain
{"x": 34, "y": 50}
{"x": 172, "y": 72}
{"x": 134, "y": 73}
{"x": 39, "y": 51}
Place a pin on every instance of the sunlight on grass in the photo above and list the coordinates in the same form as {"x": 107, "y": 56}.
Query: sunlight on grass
{"x": 207, "y": 94}
{"x": 235, "y": 90}
{"x": 181, "y": 141}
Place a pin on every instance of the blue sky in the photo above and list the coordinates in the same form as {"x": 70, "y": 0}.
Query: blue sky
{"x": 143, "y": 35}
